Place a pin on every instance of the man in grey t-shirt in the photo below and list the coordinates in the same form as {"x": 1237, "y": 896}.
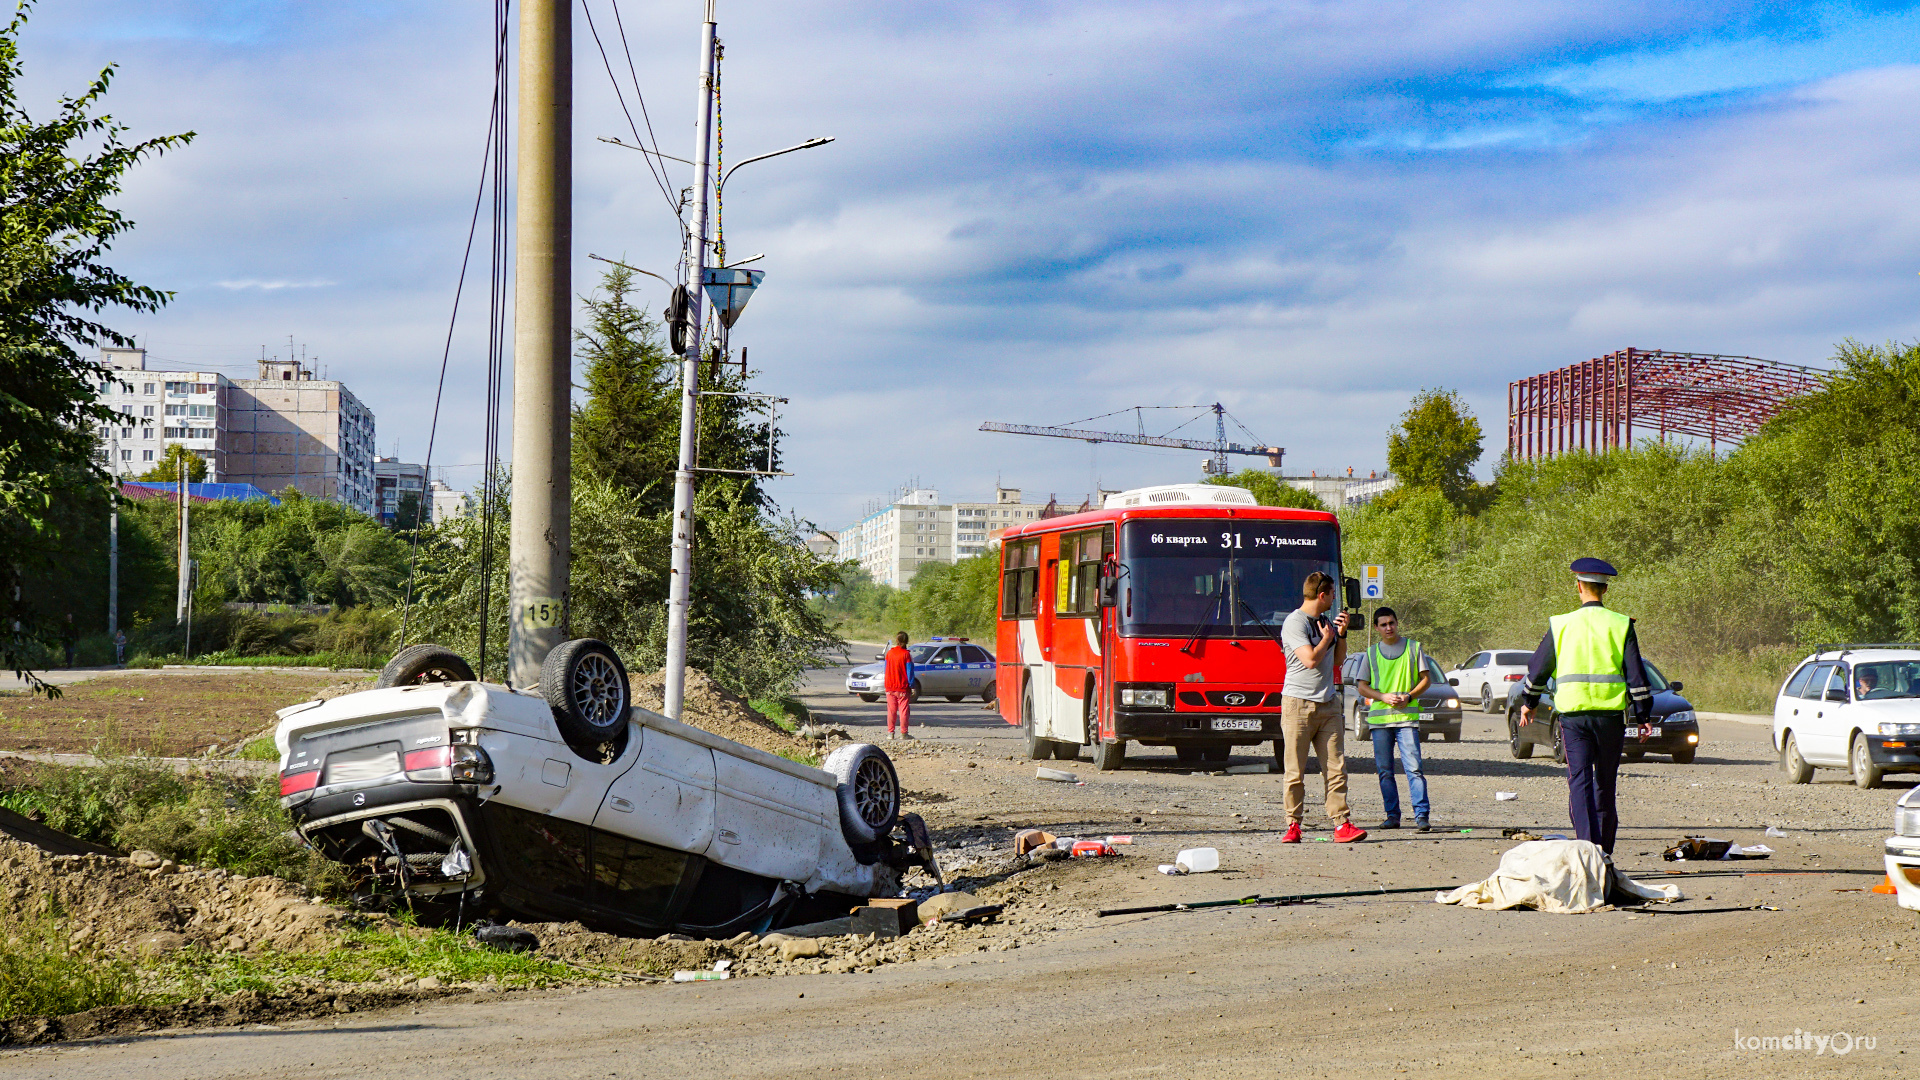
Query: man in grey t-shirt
{"x": 1309, "y": 717}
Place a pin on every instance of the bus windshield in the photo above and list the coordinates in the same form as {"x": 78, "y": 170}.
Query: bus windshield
{"x": 1220, "y": 576}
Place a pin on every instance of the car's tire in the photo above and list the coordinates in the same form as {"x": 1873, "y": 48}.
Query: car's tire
{"x": 1486, "y": 698}
{"x": 989, "y": 693}
{"x": 1520, "y": 748}
{"x": 869, "y": 698}
{"x": 913, "y": 693}
{"x": 956, "y": 697}
{"x": 1038, "y": 749}
{"x": 868, "y": 790}
{"x": 1791, "y": 763}
{"x": 424, "y": 663}
{"x": 1866, "y": 775}
{"x": 1450, "y": 736}
{"x": 585, "y": 684}
{"x": 1684, "y": 757}
{"x": 1559, "y": 744}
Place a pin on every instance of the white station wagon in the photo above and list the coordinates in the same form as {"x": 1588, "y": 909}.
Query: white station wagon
{"x": 1485, "y": 677}
{"x": 568, "y": 803}
{"x": 1856, "y": 708}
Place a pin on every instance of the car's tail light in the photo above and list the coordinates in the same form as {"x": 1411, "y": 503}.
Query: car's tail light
{"x": 297, "y": 782}
{"x": 1515, "y": 677}
{"x": 465, "y": 764}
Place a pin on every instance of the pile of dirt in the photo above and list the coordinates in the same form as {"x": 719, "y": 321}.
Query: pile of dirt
{"x": 712, "y": 707}
{"x": 775, "y": 954}
{"x": 145, "y": 904}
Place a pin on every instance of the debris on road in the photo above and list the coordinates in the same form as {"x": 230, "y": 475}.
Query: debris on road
{"x": 506, "y": 938}
{"x": 1505, "y": 796}
{"x": 1029, "y": 839}
{"x": 1241, "y": 770}
{"x": 1775, "y": 831}
{"x": 1259, "y": 901}
{"x": 1083, "y": 849}
{"x": 935, "y": 908}
{"x": 886, "y": 917}
{"x": 1204, "y": 860}
{"x": 1057, "y": 775}
{"x": 1518, "y": 834}
{"x": 1708, "y": 849}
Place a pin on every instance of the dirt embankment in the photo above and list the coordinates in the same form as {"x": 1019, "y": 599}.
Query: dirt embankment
{"x": 148, "y": 905}
{"x": 712, "y": 707}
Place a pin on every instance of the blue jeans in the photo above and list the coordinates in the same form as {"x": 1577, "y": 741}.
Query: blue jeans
{"x": 1409, "y": 740}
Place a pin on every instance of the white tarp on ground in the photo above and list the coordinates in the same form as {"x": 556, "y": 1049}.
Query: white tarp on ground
{"x": 1562, "y": 876}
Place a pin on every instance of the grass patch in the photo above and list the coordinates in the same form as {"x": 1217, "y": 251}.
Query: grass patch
{"x": 366, "y": 956}
{"x": 326, "y": 660}
{"x": 41, "y": 975}
{"x": 787, "y": 713}
{"x": 260, "y": 749}
{"x": 206, "y": 818}
{"x": 800, "y": 757}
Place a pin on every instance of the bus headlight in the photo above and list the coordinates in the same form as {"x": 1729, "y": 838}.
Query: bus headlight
{"x": 1146, "y": 697}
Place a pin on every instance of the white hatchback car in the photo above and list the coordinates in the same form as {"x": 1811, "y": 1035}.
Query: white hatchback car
{"x": 1485, "y": 676}
{"x": 567, "y": 803}
{"x": 1855, "y": 708}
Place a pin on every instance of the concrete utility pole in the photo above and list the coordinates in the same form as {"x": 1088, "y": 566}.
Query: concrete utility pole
{"x": 542, "y": 340}
{"x": 184, "y": 602}
{"x": 113, "y": 560}
{"x": 680, "y": 582}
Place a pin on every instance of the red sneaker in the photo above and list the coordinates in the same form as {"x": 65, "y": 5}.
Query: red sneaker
{"x": 1348, "y": 832}
{"x": 1293, "y": 834}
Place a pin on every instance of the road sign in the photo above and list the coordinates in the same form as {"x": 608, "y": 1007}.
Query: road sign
{"x": 1373, "y": 583}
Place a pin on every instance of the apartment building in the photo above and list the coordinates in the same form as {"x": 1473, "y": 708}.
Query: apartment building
{"x": 447, "y": 503}
{"x": 394, "y": 480}
{"x": 289, "y": 429}
{"x": 893, "y": 541}
{"x": 159, "y": 409}
{"x": 284, "y": 429}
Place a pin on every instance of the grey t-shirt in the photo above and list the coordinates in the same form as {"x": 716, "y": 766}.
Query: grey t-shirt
{"x": 1299, "y": 633}
{"x": 1363, "y": 672}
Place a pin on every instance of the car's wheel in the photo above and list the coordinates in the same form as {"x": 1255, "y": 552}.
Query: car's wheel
{"x": 1865, "y": 773}
{"x": 913, "y": 693}
{"x": 869, "y": 698}
{"x": 1559, "y": 745}
{"x": 1451, "y": 735}
{"x": 1791, "y": 763}
{"x": 989, "y": 693}
{"x": 585, "y": 683}
{"x": 956, "y": 697}
{"x": 869, "y": 796}
{"x": 1486, "y": 698}
{"x": 1038, "y": 749}
{"x": 1520, "y": 748}
{"x": 1684, "y": 757}
{"x": 424, "y": 663}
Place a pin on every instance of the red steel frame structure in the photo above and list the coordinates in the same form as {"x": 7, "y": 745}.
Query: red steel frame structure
{"x": 1596, "y": 404}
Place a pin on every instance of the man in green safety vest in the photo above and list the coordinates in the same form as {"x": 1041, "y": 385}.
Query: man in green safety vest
{"x": 1594, "y": 660}
{"x": 1392, "y": 675}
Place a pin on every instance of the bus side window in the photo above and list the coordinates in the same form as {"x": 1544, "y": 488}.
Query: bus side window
{"x": 1020, "y": 579}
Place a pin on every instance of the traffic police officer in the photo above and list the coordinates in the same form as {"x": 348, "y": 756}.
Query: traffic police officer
{"x": 1594, "y": 659}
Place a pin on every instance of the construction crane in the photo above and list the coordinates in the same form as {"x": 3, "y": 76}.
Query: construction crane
{"x": 1219, "y": 447}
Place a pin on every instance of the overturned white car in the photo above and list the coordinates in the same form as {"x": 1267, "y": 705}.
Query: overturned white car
{"x": 570, "y": 804}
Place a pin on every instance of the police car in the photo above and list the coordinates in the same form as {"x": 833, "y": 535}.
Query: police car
{"x": 950, "y": 667}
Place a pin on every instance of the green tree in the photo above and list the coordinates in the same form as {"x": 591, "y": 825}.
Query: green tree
{"x": 627, "y": 430}
{"x": 55, "y": 229}
{"x": 1436, "y": 445}
{"x": 1269, "y": 491}
{"x": 167, "y": 469}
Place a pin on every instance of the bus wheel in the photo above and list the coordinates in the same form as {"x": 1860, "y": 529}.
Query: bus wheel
{"x": 1038, "y": 749}
{"x": 1108, "y": 756}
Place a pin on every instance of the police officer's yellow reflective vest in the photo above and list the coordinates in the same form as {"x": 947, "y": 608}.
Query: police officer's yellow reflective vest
{"x": 1590, "y": 649}
{"x": 1396, "y": 676}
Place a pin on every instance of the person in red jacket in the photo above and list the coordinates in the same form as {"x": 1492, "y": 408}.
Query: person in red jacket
{"x": 899, "y": 684}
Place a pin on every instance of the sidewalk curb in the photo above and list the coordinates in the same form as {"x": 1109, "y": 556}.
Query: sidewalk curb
{"x": 1735, "y": 717}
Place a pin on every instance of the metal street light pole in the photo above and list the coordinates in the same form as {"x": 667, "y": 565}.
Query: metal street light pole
{"x": 680, "y": 581}
{"x": 542, "y": 341}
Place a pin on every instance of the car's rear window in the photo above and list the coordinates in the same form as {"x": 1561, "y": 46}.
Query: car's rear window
{"x": 1513, "y": 659}
{"x": 1799, "y": 681}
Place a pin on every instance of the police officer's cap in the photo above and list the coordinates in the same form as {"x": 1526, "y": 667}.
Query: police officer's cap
{"x": 1598, "y": 571}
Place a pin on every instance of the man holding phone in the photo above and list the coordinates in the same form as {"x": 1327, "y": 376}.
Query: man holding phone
{"x": 1309, "y": 717}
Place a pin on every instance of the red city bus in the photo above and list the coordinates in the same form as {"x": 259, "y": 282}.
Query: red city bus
{"x": 1154, "y": 620}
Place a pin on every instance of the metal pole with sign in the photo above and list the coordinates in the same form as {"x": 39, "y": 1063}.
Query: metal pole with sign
{"x": 1373, "y": 586}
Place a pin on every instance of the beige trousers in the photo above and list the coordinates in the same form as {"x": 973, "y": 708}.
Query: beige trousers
{"x": 1314, "y": 725}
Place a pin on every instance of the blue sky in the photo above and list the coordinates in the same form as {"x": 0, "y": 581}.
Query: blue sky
{"x": 1036, "y": 212}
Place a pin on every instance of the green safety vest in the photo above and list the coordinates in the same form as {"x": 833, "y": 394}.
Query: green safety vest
{"x": 1396, "y": 676}
{"x": 1590, "y": 648}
